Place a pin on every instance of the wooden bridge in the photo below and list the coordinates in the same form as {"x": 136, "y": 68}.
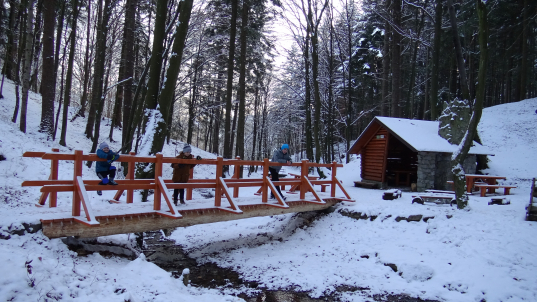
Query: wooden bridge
{"x": 163, "y": 213}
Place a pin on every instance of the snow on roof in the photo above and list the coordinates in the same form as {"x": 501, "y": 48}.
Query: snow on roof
{"x": 423, "y": 135}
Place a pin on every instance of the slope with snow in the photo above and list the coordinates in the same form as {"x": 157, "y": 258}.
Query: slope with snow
{"x": 487, "y": 253}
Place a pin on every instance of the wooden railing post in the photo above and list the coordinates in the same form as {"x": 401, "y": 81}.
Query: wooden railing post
{"x": 76, "y": 173}
{"x": 189, "y": 190}
{"x": 130, "y": 175}
{"x": 334, "y": 180}
{"x": 158, "y": 172}
{"x": 237, "y": 176}
{"x": 218, "y": 188}
{"x": 303, "y": 177}
{"x": 264, "y": 196}
{"x": 54, "y": 176}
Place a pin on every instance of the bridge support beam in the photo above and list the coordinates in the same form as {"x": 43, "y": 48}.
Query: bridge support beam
{"x": 132, "y": 223}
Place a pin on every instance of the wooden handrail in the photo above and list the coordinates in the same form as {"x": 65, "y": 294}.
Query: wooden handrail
{"x": 79, "y": 187}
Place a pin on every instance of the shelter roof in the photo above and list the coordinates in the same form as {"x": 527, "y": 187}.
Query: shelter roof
{"x": 418, "y": 135}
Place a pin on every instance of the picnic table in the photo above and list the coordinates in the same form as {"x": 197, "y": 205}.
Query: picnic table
{"x": 474, "y": 181}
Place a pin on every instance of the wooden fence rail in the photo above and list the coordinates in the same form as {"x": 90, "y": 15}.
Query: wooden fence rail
{"x": 80, "y": 187}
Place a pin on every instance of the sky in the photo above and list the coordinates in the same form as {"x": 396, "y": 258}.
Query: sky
{"x": 487, "y": 252}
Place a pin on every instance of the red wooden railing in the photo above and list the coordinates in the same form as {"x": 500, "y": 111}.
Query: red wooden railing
{"x": 79, "y": 187}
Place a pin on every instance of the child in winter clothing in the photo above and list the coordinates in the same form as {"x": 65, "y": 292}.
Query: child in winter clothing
{"x": 181, "y": 173}
{"x": 280, "y": 156}
{"x": 105, "y": 171}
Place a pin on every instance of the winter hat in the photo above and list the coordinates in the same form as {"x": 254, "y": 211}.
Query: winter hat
{"x": 187, "y": 149}
{"x": 103, "y": 145}
{"x": 285, "y": 146}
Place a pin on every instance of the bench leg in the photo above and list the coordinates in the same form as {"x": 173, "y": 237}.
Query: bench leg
{"x": 323, "y": 188}
{"x": 483, "y": 191}
{"x": 506, "y": 191}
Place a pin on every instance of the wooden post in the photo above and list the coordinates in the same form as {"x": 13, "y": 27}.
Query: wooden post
{"x": 264, "y": 196}
{"x": 158, "y": 172}
{"x": 303, "y": 177}
{"x": 189, "y": 190}
{"x": 77, "y": 172}
{"x": 334, "y": 180}
{"x": 130, "y": 175}
{"x": 237, "y": 176}
{"x": 218, "y": 188}
{"x": 54, "y": 176}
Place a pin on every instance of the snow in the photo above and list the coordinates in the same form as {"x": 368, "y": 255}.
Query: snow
{"x": 485, "y": 254}
{"x": 423, "y": 135}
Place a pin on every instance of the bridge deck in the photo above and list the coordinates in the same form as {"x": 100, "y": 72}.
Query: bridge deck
{"x": 142, "y": 220}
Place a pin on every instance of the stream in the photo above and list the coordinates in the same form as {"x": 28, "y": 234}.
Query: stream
{"x": 164, "y": 252}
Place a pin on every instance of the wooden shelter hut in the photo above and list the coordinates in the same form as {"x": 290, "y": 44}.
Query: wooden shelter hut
{"x": 399, "y": 152}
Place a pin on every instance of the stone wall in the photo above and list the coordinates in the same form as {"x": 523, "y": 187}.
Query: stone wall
{"x": 426, "y": 170}
{"x": 434, "y": 170}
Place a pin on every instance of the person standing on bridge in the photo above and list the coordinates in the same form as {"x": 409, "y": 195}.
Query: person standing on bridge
{"x": 181, "y": 173}
{"x": 105, "y": 171}
{"x": 280, "y": 156}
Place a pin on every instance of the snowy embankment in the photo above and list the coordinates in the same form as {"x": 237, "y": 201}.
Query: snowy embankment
{"x": 486, "y": 253}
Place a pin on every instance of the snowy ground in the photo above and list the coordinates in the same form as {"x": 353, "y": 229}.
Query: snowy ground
{"x": 488, "y": 253}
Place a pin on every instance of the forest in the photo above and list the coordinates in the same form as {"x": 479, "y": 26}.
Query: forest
{"x": 239, "y": 78}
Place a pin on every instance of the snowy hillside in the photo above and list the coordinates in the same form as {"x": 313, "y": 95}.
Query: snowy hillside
{"x": 485, "y": 254}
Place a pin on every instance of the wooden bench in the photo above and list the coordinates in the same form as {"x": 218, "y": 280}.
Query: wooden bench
{"x": 492, "y": 189}
{"x": 323, "y": 188}
{"x": 364, "y": 184}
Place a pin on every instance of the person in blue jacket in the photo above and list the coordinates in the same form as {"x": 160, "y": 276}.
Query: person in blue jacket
{"x": 105, "y": 171}
{"x": 280, "y": 156}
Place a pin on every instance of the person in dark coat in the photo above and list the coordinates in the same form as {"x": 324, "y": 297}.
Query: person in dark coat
{"x": 181, "y": 173}
{"x": 104, "y": 169}
{"x": 280, "y": 156}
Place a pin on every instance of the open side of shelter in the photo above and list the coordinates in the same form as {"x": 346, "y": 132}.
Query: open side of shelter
{"x": 164, "y": 214}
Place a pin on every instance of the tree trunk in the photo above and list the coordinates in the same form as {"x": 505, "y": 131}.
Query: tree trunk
{"x": 97, "y": 94}
{"x": 153, "y": 83}
{"x": 48, "y": 81}
{"x": 436, "y": 58}
{"x": 198, "y": 68}
{"x": 60, "y": 94}
{"x": 228, "y": 143}
{"x": 459, "y": 157}
{"x": 128, "y": 62}
{"x": 98, "y": 70}
{"x": 256, "y": 118}
{"x": 458, "y": 51}
{"x": 234, "y": 125}
{"x": 84, "y": 99}
{"x": 69, "y": 78}
{"x": 228, "y": 135}
{"x": 385, "y": 68}
{"x": 349, "y": 116}
{"x": 37, "y": 46}
{"x": 167, "y": 95}
{"x": 12, "y": 42}
{"x": 27, "y": 64}
{"x": 239, "y": 150}
{"x": 396, "y": 60}
{"x": 524, "y": 57}
{"x": 307, "y": 96}
{"x": 218, "y": 117}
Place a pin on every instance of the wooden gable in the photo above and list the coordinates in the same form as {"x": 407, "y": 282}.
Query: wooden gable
{"x": 374, "y": 154}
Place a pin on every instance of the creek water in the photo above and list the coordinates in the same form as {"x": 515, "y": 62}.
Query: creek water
{"x": 171, "y": 257}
